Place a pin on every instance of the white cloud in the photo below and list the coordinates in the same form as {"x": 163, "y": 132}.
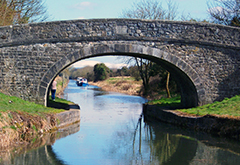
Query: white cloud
{"x": 217, "y": 9}
{"x": 115, "y": 65}
{"x": 84, "y": 6}
{"x": 81, "y": 18}
{"x": 84, "y": 63}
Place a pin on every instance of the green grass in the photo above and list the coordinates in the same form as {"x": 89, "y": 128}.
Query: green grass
{"x": 174, "y": 101}
{"x": 228, "y": 106}
{"x": 60, "y": 100}
{"x": 114, "y": 80}
{"x": 13, "y": 127}
{"x": 34, "y": 128}
{"x": 12, "y": 103}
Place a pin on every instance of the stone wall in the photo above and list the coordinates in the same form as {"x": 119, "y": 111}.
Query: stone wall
{"x": 220, "y": 126}
{"x": 204, "y": 59}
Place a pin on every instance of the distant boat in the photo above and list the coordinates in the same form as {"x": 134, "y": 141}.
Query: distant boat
{"x": 82, "y": 82}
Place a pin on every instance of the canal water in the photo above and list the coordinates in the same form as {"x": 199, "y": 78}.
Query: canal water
{"x": 112, "y": 131}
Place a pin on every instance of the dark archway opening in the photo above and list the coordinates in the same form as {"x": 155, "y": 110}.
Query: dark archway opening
{"x": 188, "y": 92}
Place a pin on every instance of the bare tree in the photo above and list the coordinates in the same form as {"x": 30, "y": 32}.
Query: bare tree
{"x": 172, "y": 10}
{"x": 22, "y": 11}
{"x": 143, "y": 68}
{"x": 225, "y": 12}
{"x": 6, "y": 12}
{"x": 145, "y": 10}
{"x": 150, "y": 9}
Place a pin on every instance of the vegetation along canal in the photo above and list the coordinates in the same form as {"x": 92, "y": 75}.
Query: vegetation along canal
{"x": 112, "y": 131}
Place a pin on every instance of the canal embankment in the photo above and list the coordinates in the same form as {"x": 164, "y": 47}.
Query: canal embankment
{"x": 220, "y": 125}
{"x": 21, "y": 128}
{"x": 21, "y": 121}
{"x": 42, "y": 141}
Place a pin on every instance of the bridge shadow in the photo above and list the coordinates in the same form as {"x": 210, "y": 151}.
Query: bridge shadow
{"x": 59, "y": 105}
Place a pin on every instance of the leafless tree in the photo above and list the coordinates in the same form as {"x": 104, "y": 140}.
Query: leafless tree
{"x": 150, "y": 9}
{"x": 143, "y": 68}
{"x": 22, "y": 11}
{"x": 225, "y": 12}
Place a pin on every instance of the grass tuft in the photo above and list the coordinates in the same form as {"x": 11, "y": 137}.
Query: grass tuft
{"x": 13, "y": 127}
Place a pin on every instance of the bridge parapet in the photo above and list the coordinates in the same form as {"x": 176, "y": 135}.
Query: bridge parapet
{"x": 117, "y": 29}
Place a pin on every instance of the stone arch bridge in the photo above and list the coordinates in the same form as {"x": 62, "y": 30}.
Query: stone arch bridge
{"x": 204, "y": 59}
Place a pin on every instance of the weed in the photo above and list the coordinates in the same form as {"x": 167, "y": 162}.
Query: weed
{"x": 58, "y": 121}
{"x": 10, "y": 115}
{"x": 34, "y": 139}
{"x": 13, "y": 127}
{"x": 34, "y": 128}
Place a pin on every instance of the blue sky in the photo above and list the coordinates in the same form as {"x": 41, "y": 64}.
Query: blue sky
{"x": 89, "y": 9}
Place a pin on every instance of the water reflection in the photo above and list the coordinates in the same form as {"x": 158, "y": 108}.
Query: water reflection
{"x": 42, "y": 156}
{"x": 39, "y": 151}
{"x": 160, "y": 143}
{"x": 192, "y": 147}
{"x": 113, "y": 131}
{"x": 147, "y": 145}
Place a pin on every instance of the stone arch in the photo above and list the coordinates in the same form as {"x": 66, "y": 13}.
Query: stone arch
{"x": 192, "y": 91}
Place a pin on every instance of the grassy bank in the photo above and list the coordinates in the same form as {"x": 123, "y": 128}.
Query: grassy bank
{"x": 229, "y": 107}
{"x": 128, "y": 85}
{"x": 21, "y": 121}
{"x": 173, "y": 102}
{"x": 15, "y": 104}
{"x": 125, "y": 85}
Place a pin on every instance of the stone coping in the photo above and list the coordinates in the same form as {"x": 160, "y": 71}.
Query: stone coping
{"x": 68, "y": 117}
